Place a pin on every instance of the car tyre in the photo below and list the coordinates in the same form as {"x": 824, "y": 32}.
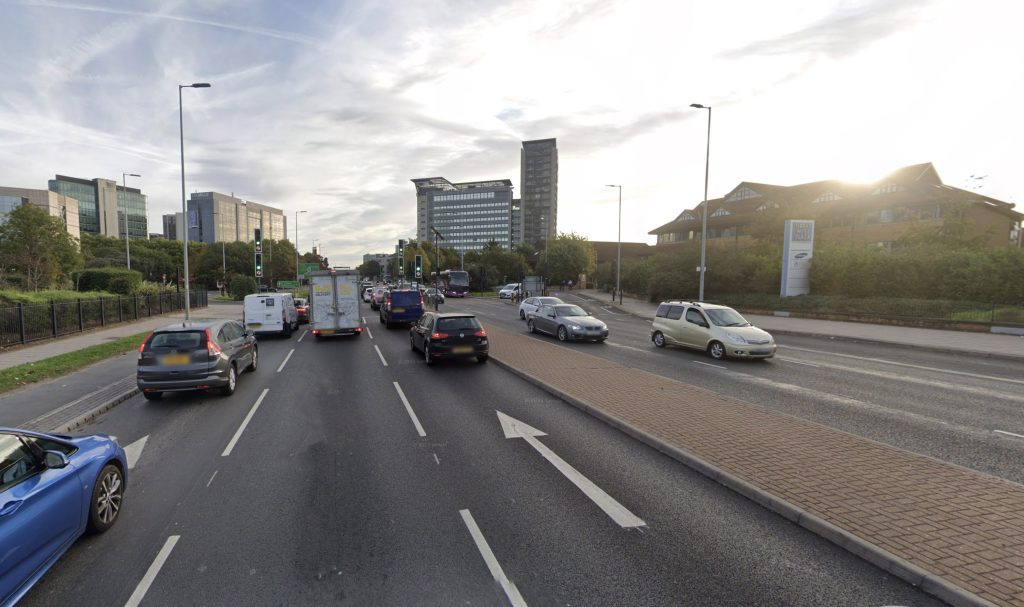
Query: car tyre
{"x": 255, "y": 360}
{"x": 716, "y": 350}
{"x": 107, "y": 496}
{"x": 482, "y": 358}
{"x": 563, "y": 335}
{"x": 412, "y": 343}
{"x": 659, "y": 339}
{"x": 229, "y": 389}
{"x": 522, "y": 315}
{"x": 287, "y": 330}
{"x": 530, "y": 327}
{"x": 426, "y": 354}
{"x": 153, "y": 395}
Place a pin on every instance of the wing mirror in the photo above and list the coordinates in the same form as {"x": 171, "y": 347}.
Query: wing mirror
{"x": 55, "y": 460}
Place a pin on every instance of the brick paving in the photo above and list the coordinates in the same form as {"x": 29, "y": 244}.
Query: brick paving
{"x": 953, "y": 526}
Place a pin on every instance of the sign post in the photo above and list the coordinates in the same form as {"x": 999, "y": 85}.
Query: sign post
{"x": 797, "y": 251}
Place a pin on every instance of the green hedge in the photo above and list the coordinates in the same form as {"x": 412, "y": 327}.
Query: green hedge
{"x": 115, "y": 280}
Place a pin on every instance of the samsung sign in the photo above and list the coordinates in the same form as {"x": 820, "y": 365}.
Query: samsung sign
{"x": 797, "y": 251}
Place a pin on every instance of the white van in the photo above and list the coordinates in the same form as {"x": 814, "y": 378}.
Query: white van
{"x": 270, "y": 313}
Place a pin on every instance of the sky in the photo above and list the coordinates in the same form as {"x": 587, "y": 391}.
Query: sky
{"x": 332, "y": 107}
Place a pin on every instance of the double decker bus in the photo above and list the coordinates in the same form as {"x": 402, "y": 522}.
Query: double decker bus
{"x": 454, "y": 283}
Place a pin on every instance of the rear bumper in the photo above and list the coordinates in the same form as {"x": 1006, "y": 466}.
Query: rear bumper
{"x": 442, "y": 351}
{"x": 217, "y": 379}
{"x": 334, "y": 332}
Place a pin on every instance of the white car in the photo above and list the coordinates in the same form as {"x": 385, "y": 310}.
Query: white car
{"x": 509, "y": 290}
{"x": 530, "y": 304}
{"x": 367, "y": 294}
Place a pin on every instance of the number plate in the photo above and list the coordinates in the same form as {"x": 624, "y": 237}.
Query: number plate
{"x": 462, "y": 349}
{"x": 398, "y": 310}
{"x": 255, "y": 325}
{"x": 176, "y": 359}
{"x": 327, "y": 332}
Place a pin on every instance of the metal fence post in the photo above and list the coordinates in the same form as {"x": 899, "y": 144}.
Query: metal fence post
{"x": 21, "y": 321}
{"x": 136, "y": 301}
{"x": 103, "y": 315}
{"x": 81, "y": 317}
{"x": 120, "y": 312}
{"x": 53, "y": 316}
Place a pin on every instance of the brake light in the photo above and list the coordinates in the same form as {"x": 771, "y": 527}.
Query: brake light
{"x": 388, "y": 302}
{"x": 436, "y": 335}
{"x": 212, "y": 349}
{"x": 142, "y": 346}
{"x": 480, "y": 333}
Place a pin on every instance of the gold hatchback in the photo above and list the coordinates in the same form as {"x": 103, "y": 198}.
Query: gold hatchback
{"x": 719, "y": 330}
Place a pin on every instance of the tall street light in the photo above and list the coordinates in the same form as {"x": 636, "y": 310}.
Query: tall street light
{"x": 124, "y": 190}
{"x": 297, "y": 246}
{"x": 618, "y": 261}
{"x": 184, "y": 211}
{"x": 437, "y": 266}
{"x": 704, "y": 213}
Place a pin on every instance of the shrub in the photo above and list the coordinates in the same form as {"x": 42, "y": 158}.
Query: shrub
{"x": 241, "y": 286}
{"x": 116, "y": 280}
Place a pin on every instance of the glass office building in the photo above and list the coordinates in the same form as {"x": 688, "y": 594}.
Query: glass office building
{"x": 104, "y": 207}
{"x": 539, "y": 180}
{"x": 468, "y": 215}
{"x": 223, "y": 218}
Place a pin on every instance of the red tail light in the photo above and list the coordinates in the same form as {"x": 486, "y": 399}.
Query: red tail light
{"x": 142, "y": 346}
{"x": 481, "y": 333}
{"x": 436, "y": 335}
{"x": 212, "y": 349}
{"x": 388, "y": 302}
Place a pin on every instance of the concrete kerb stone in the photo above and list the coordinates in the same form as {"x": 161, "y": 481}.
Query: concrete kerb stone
{"x": 881, "y": 558}
{"x": 96, "y": 411}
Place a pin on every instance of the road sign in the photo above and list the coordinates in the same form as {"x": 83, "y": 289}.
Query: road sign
{"x": 287, "y": 284}
{"x": 306, "y": 268}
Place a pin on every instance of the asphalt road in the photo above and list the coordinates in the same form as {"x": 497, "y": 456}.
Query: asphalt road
{"x": 317, "y": 483}
{"x": 957, "y": 408}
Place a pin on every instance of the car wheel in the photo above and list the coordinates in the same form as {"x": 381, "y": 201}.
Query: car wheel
{"x": 562, "y": 334}
{"x": 522, "y": 315}
{"x": 107, "y": 496}
{"x": 426, "y": 354}
{"x": 229, "y": 389}
{"x": 530, "y": 327}
{"x": 153, "y": 395}
{"x": 482, "y": 358}
{"x": 287, "y": 330}
{"x": 381, "y": 319}
{"x": 716, "y": 350}
{"x": 412, "y": 343}
{"x": 255, "y": 360}
{"x": 658, "y": 339}
{"x": 388, "y": 324}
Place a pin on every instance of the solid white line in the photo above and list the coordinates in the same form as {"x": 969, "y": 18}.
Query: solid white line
{"x": 618, "y": 513}
{"x": 1009, "y": 433}
{"x": 492, "y": 563}
{"x": 245, "y": 422}
{"x": 408, "y": 407}
{"x": 299, "y": 340}
{"x": 151, "y": 573}
{"x": 709, "y": 365}
{"x": 799, "y": 362}
{"x": 210, "y": 482}
{"x": 383, "y": 362}
{"x": 285, "y": 361}
{"x": 899, "y": 364}
{"x": 368, "y": 332}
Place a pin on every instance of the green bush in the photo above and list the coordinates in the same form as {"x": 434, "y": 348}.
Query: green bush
{"x": 241, "y": 286}
{"x": 116, "y": 280}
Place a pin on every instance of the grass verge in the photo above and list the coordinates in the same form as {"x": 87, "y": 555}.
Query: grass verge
{"x": 56, "y": 366}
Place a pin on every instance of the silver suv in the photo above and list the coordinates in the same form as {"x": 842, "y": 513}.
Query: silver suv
{"x": 719, "y": 330}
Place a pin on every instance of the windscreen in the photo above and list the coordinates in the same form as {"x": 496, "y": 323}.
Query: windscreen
{"x": 726, "y": 318}
{"x": 569, "y": 310}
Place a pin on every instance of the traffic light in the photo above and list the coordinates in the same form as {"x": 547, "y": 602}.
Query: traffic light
{"x": 258, "y": 239}
{"x": 401, "y": 258}
{"x": 419, "y": 266}
{"x": 259, "y": 264}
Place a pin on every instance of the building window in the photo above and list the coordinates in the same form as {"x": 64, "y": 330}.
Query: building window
{"x": 721, "y": 213}
{"x": 743, "y": 193}
{"x": 768, "y": 204}
{"x": 889, "y": 188}
{"x": 826, "y": 197}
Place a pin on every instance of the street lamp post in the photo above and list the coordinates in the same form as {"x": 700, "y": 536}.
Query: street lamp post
{"x": 704, "y": 212}
{"x": 124, "y": 190}
{"x": 297, "y": 246}
{"x": 184, "y": 211}
{"x": 437, "y": 265}
{"x": 618, "y": 255}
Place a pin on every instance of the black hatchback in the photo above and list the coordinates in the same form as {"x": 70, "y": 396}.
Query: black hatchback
{"x": 195, "y": 355}
{"x": 449, "y": 335}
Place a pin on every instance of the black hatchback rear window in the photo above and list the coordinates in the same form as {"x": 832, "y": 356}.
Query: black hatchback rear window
{"x": 460, "y": 323}
{"x": 178, "y": 339}
{"x": 405, "y": 298}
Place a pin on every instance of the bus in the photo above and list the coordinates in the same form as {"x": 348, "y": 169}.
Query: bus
{"x": 454, "y": 283}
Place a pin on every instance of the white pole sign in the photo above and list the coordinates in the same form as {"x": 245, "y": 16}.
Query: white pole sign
{"x": 797, "y": 251}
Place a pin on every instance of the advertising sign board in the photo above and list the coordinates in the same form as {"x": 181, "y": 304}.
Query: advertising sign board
{"x": 797, "y": 251}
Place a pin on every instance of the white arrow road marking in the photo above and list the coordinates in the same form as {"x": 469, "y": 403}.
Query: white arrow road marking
{"x": 134, "y": 451}
{"x": 492, "y": 562}
{"x": 514, "y": 428}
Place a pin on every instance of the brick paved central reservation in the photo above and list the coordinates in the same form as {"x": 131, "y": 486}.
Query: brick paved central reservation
{"x": 960, "y": 525}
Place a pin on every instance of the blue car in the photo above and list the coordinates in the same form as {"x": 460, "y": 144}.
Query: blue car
{"x": 53, "y": 488}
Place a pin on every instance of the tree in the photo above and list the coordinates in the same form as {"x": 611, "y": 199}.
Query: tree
{"x": 370, "y": 269}
{"x": 567, "y": 257}
{"x": 37, "y": 248}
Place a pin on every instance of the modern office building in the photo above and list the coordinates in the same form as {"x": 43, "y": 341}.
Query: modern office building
{"x": 171, "y": 223}
{"x": 875, "y": 214}
{"x": 468, "y": 215}
{"x": 216, "y": 217}
{"x": 539, "y": 182}
{"x": 105, "y": 207}
{"x": 56, "y": 205}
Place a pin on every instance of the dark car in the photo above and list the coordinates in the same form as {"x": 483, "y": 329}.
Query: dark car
{"x": 53, "y": 488}
{"x": 302, "y": 310}
{"x": 195, "y": 355}
{"x": 566, "y": 321}
{"x": 401, "y": 306}
{"x": 449, "y": 335}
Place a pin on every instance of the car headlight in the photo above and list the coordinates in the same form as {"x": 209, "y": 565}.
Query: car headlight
{"x": 575, "y": 327}
{"x": 734, "y": 338}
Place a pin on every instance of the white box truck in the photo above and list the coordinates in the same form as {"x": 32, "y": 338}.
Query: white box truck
{"x": 334, "y": 303}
